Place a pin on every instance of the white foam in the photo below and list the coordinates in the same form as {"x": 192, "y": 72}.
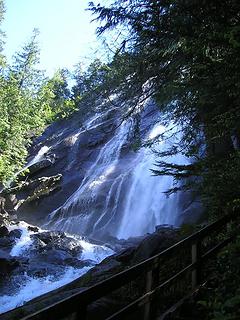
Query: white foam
{"x": 24, "y": 242}
{"x": 35, "y": 287}
{"x": 94, "y": 252}
{"x": 32, "y": 287}
{"x": 38, "y": 156}
{"x": 156, "y": 131}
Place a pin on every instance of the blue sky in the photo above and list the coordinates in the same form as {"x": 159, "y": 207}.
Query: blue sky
{"x": 66, "y": 34}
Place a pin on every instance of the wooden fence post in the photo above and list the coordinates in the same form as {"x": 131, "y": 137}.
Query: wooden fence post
{"x": 152, "y": 281}
{"x": 196, "y": 255}
{"x": 149, "y": 284}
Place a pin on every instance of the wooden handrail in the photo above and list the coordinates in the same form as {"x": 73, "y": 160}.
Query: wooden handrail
{"x": 78, "y": 302}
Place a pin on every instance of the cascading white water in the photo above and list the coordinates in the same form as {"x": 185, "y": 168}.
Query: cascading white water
{"x": 74, "y": 215}
{"x": 134, "y": 200}
{"x": 39, "y": 156}
{"x": 146, "y": 203}
{"x": 29, "y": 287}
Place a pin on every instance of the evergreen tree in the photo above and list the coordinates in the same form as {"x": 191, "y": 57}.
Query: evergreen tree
{"x": 189, "y": 52}
{"x": 2, "y": 11}
{"x": 62, "y": 105}
{"x": 28, "y": 102}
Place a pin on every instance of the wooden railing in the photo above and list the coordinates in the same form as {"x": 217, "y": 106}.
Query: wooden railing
{"x": 77, "y": 304}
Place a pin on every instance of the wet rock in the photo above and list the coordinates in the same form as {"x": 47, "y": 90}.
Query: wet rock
{"x": 28, "y": 191}
{"x": 69, "y": 245}
{"x": 4, "y": 211}
{"x": 42, "y": 187}
{"x": 44, "y": 262}
{"x": 54, "y": 256}
{"x": 4, "y": 218}
{"x": 58, "y": 240}
{"x": 16, "y": 233}
{"x": 2, "y": 205}
{"x": 74, "y": 262}
{"x": 126, "y": 255}
{"x": 154, "y": 243}
{"x": 42, "y": 269}
{"x": 7, "y": 243}
{"x": 48, "y": 236}
{"x": 33, "y": 229}
{"x": 11, "y": 200}
{"x": 7, "y": 263}
{"x": 37, "y": 247}
{"x": 40, "y": 166}
{"x": 4, "y": 231}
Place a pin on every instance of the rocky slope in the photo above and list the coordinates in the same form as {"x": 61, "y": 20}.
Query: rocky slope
{"x": 87, "y": 177}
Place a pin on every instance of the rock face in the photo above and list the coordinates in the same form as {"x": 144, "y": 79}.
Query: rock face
{"x": 3, "y": 231}
{"x": 38, "y": 166}
{"x": 88, "y": 177}
{"x": 32, "y": 190}
{"x": 7, "y": 264}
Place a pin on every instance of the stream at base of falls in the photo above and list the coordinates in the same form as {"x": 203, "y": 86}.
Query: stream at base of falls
{"x": 27, "y": 284}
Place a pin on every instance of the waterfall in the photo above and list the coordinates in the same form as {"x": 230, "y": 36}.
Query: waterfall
{"x": 39, "y": 156}
{"x": 119, "y": 194}
{"x": 75, "y": 214}
{"x": 146, "y": 204}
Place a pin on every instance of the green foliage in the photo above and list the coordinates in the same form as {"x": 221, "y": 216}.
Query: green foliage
{"x": 62, "y": 105}
{"x": 23, "y": 108}
{"x": 2, "y": 11}
{"x": 222, "y": 302}
{"x": 91, "y": 79}
{"x": 220, "y": 187}
{"x": 28, "y": 102}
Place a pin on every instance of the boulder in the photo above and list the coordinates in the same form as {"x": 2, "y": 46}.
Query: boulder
{"x": 7, "y": 263}
{"x": 156, "y": 242}
{"x": 2, "y": 205}
{"x": 4, "y": 231}
{"x": 48, "y": 236}
{"x": 54, "y": 256}
{"x": 37, "y": 247}
{"x": 58, "y": 240}
{"x": 33, "y": 228}
{"x": 7, "y": 243}
{"x": 16, "y": 233}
